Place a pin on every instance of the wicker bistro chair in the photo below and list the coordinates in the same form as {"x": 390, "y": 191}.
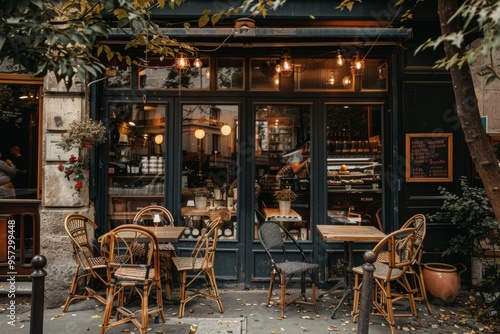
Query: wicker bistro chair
{"x": 414, "y": 273}
{"x": 140, "y": 275}
{"x": 271, "y": 236}
{"x": 399, "y": 247}
{"x": 91, "y": 270}
{"x": 146, "y": 217}
{"x": 201, "y": 262}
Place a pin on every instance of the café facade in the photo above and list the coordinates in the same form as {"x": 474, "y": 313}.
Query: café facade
{"x": 344, "y": 96}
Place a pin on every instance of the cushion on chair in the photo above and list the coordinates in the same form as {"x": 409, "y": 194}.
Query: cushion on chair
{"x": 292, "y": 267}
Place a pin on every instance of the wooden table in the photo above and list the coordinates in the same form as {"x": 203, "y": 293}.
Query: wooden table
{"x": 163, "y": 233}
{"x": 348, "y": 234}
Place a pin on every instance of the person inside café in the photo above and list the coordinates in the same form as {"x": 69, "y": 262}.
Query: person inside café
{"x": 7, "y": 173}
{"x": 297, "y": 163}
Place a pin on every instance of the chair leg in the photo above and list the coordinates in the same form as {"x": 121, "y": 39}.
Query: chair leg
{"x": 109, "y": 308}
{"x": 159, "y": 301}
{"x": 271, "y": 286}
{"x": 390, "y": 311}
{"x": 182, "y": 292}
{"x": 72, "y": 291}
{"x": 282, "y": 293}
{"x": 215, "y": 289}
{"x": 423, "y": 292}
{"x": 355, "y": 303}
{"x": 145, "y": 310}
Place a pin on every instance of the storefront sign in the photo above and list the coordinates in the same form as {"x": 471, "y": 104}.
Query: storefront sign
{"x": 429, "y": 157}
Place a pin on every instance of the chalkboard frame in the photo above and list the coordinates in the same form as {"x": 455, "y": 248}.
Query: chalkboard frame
{"x": 449, "y": 158}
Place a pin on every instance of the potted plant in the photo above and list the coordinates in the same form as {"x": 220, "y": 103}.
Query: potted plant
{"x": 200, "y": 198}
{"x": 84, "y": 133}
{"x": 285, "y": 198}
{"x": 476, "y": 236}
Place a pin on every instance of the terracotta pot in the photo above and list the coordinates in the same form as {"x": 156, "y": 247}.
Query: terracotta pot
{"x": 442, "y": 281}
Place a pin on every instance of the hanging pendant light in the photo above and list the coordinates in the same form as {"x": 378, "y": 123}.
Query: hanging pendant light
{"x": 181, "y": 63}
{"x": 357, "y": 64}
{"x": 331, "y": 79}
{"x": 339, "y": 59}
{"x": 346, "y": 81}
{"x": 285, "y": 67}
{"x": 197, "y": 62}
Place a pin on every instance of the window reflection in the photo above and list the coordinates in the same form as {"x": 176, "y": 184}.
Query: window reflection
{"x": 209, "y": 144}
{"x": 282, "y": 151}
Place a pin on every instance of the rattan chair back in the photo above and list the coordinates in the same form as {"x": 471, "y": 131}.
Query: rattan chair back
{"x": 272, "y": 237}
{"x": 146, "y": 215}
{"x": 200, "y": 264}
{"x": 90, "y": 269}
{"x": 140, "y": 274}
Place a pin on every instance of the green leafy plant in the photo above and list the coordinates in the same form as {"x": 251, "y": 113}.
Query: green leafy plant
{"x": 201, "y": 192}
{"x": 73, "y": 170}
{"x": 285, "y": 195}
{"x": 80, "y": 131}
{"x": 478, "y": 235}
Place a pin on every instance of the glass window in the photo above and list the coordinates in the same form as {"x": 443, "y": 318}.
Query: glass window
{"x": 354, "y": 163}
{"x": 322, "y": 74}
{"x": 136, "y": 159}
{"x": 282, "y": 156}
{"x": 19, "y": 114}
{"x": 375, "y": 75}
{"x": 119, "y": 77}
{"x": 263, "y": 75}
{"x": 230, "y": 73}
{"x": 209, "y": 163}
{"x": 161, "y": 74}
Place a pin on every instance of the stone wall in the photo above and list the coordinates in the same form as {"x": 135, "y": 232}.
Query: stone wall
{"x": 59, "y": 199}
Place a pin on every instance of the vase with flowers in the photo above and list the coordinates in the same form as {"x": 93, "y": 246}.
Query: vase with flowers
{"x": 73, "y": 171}
{"x": 285, "y": 198}
{"x": 84, "y": 133}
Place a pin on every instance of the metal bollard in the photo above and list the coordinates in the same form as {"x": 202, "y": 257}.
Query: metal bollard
{"x": 366, "y": 292}
{"x": 37, "y": 293}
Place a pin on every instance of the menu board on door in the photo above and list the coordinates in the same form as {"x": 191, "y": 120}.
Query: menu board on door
{"x": 429, "y": 157}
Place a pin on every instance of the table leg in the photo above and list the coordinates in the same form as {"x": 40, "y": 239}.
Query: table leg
{"x": 348, "y": 291}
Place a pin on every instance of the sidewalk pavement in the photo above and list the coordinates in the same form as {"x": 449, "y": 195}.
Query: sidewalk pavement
{"x": 245, "y": 312}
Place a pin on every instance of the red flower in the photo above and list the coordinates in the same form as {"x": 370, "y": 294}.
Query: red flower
{"x": 60, "y": 167}
{"x": 71, "y": 158}
{"x": 78, "y": 185}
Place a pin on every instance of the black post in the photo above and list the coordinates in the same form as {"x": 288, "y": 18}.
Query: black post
{"x": 366, "y": 292}
{"x": 37, "y": 294}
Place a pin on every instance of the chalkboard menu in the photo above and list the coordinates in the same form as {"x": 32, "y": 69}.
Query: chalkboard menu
{"x": 429, "y": 157}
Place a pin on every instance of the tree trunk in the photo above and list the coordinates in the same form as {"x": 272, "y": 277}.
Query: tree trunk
{"x": 476, "y": 138}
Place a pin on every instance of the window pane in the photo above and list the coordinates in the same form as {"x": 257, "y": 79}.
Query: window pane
{"x": 375, "y": 75}
{"x": 136, "y": 159}
{"x": 230, "y": 73}
{"x": 162, "y": 74}
{"x": 317, "y": 74}
{"x": 282, "y": 162}
{"x": 209, "y": 144}
{"x": 19, "y": 114}
{"x": 263, "y": 75}
{"x": 354, "y": 164}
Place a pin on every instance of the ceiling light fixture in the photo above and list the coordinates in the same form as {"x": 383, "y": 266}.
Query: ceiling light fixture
{"x": 285, "y": 67}
{"x": 339, "y": 59}
{"x": 181, "y": 63}
{"x": 357, "y": 64}
{"x": 197, "y": 62}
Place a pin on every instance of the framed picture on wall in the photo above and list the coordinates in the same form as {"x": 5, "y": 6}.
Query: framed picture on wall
{"x": 55, "y": 153}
